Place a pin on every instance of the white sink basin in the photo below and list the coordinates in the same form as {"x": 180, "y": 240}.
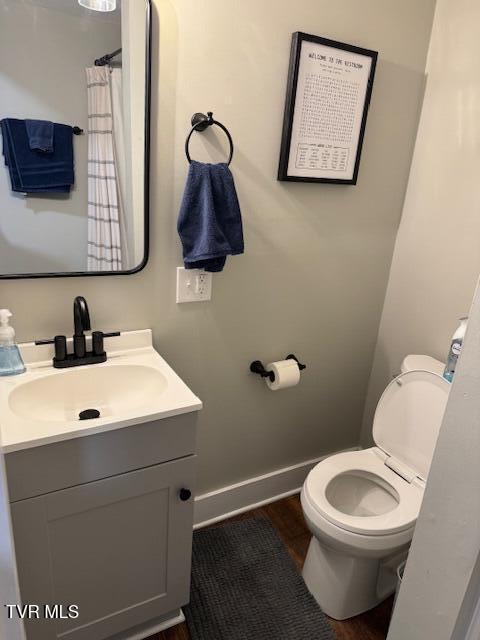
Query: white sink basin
{"x": 112, "y": 390}
{"x": 135, "y": 385}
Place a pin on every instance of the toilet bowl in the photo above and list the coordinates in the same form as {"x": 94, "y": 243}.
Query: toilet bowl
{"x": 361, "y": 506}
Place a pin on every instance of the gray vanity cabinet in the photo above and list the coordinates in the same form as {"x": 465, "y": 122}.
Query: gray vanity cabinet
{"x": 119, "y": 547}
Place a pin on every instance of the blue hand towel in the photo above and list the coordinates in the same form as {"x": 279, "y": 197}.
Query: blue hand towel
{"x": 14, "y": 177}
{"x": 33, "y": 171}
{"x": 40, "y": 135}
{"x": 209, "y": 222}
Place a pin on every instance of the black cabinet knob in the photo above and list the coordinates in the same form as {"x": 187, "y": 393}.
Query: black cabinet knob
{"x": 185, "y": 494}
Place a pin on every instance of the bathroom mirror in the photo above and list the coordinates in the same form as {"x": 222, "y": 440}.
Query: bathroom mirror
{"x": 75, "y": 137}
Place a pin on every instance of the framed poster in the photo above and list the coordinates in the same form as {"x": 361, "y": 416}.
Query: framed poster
{"x": 328, "y": 94}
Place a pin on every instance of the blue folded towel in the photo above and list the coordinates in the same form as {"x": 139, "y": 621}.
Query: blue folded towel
{"x": 209, "y": 222}
{"x": 34, "y": 171}
{"x": 40, "y": 135}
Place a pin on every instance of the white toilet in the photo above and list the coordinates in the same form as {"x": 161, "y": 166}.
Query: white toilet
{"x": 361, "y": 506}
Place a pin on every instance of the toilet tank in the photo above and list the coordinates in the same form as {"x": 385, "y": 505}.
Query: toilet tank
{"x": 425, "y": 363}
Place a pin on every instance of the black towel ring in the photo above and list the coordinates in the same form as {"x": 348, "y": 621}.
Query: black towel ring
{"x": 200, "y": 122}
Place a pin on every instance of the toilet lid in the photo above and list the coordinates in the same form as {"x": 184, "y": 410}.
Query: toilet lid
{"x": 408, "y": 418}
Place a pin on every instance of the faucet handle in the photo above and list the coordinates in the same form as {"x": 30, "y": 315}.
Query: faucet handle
{"x": 38, "y": 343}
{"x": 111, "y": 334}
{"x": 97, "y": 341}
{"x": 60, "y": 343}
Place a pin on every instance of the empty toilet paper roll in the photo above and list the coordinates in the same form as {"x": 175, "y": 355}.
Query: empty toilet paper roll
{"x": 287, "y": 374}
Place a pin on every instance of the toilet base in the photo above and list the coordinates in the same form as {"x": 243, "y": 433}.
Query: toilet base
{"x": 344, "y": 585}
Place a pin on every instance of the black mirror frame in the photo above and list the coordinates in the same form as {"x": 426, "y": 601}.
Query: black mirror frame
{"x": 146, "y": 195}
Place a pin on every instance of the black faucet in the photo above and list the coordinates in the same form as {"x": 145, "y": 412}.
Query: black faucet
{"x": 81, "y": 323}
{"x": 80, "y": 355}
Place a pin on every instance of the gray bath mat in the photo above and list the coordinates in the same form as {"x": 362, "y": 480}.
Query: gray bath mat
{"x": 245, "y": 586}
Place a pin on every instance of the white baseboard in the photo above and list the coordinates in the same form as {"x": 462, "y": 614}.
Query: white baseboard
{"x": 236, "y": 498}
{"x": 148, "y": 630}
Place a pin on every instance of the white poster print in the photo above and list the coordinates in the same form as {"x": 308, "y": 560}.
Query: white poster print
{"x": 329, "y": 104}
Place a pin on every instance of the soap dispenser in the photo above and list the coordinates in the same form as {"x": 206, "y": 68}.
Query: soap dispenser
{"x": 11, "y": 363}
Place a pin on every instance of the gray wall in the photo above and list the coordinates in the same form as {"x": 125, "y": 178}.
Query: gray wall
{"x": 43, "y": 53}
{"x": 313, "y": 277}
{"x": 437, "y": 259}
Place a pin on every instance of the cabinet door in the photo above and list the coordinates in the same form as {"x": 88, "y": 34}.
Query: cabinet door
{"x": 119, "y": 548}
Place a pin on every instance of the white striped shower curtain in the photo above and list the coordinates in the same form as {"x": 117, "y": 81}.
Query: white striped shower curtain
{"x": 104, "y": 238}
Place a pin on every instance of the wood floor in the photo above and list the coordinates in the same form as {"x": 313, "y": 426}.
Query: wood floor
{"x": 286, "y": 516}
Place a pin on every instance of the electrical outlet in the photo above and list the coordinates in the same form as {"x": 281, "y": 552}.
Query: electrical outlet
{"x": 193, "y": 285}
{"x": 202, "y": 283}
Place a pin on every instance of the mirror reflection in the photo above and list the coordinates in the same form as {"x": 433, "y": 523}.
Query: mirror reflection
{"x": 73, "y": 128}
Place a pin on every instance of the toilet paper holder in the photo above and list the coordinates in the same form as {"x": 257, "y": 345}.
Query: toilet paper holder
{"x": 257, "y": 367}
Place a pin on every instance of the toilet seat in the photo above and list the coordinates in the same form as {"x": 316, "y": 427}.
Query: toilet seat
{"x": 370, "y": 463}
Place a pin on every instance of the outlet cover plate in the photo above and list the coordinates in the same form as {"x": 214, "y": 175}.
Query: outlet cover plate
{"x": 193, "y": 285}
